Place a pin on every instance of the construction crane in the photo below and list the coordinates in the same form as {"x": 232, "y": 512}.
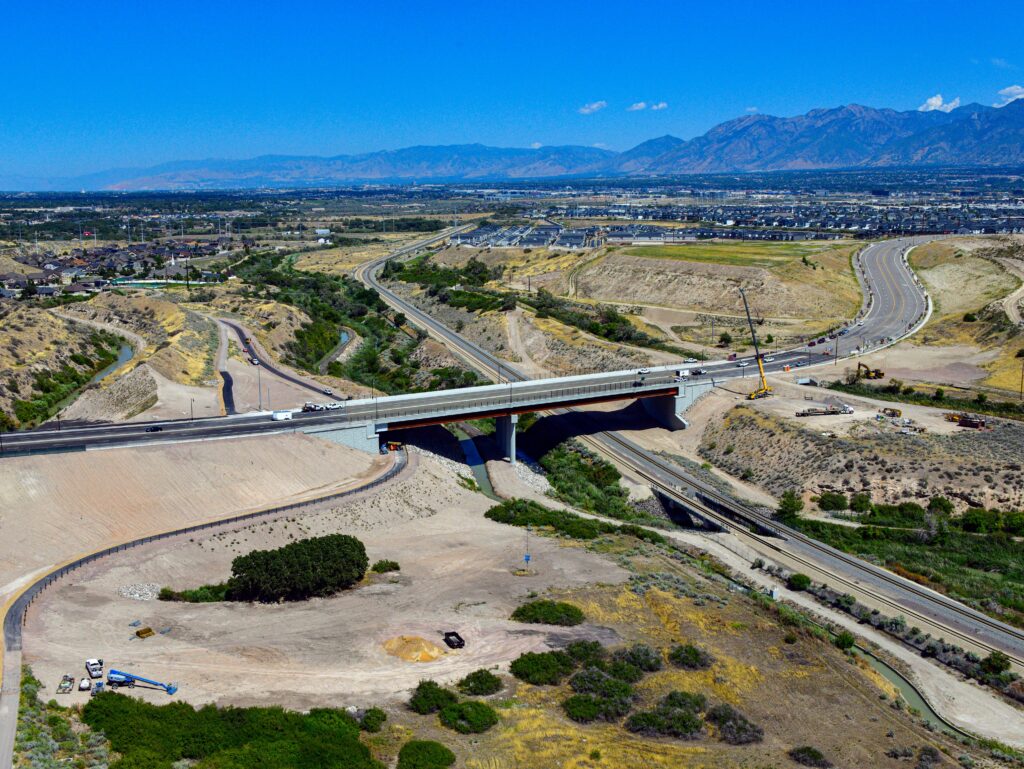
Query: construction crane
{"x": 116, "y": 678}
{"x": 763, "y": 390}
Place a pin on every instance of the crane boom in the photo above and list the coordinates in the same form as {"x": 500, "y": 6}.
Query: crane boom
{"x": 763, "y": 389}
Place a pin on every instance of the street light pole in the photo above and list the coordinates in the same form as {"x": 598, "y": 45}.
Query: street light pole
{"x": 191, "y": 409}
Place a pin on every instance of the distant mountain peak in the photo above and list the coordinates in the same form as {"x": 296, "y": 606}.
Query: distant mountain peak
{"x": 847, "y": 136}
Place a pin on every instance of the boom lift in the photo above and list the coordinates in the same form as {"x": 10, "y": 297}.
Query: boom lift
{"x": 116, "y": 678}
{"x": 763, "y": 390}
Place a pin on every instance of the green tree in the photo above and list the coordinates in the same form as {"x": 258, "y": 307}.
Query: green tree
{"x": 725, "y": 339}
{"x": 995, "y": 663}
{"x": 798, "y": 581}
{"x": 845, "y": 640}
{"x": 790, "y": 505}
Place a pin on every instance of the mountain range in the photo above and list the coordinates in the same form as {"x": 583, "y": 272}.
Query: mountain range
{"x": 851, "y": 136}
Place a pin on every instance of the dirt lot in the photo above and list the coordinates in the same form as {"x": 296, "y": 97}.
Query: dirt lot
{"x": 456, "y": 574}
{"x": 86, "y": 501}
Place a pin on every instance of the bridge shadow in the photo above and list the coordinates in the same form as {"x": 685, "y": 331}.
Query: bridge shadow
{"x": 548, "y": 431}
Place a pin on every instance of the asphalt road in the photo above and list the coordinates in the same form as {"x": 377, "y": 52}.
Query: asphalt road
{"x": 896, "y": 305}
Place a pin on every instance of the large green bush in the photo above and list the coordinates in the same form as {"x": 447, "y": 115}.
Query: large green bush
{"x": 373, "y": 720}
{"x": 158, "y": 736}
{"x": 690, "y": 657}
{"x": 523, "y": 512}
{"x": 424, "y": 754}
{"x": 549, "y": 613}
{"x": 640, "y": 656}
{"x": 469, "y": 717}
{"x": 315, "y": 567}
{"x": 542, "y": 668}
{"x": 429, "y": 697}
{"x": 677, "y": 715}
{"x": 480, "y": 683}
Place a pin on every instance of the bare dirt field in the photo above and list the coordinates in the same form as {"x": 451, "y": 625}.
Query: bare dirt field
{"x": 85, "y": 501}
{"x": 456, "y": 573}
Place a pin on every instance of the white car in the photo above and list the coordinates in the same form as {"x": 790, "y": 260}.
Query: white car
{"x": 769, "y": 359}
{"x": 689, "y": 360}
{"x": 643, "y": 371}
{"x": 860, "y": 323}
{"x": 85, "y": 685}
{"x": 743, "y": 364}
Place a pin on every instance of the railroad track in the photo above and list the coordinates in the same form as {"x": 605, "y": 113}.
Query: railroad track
{"x": 672, "y": 480}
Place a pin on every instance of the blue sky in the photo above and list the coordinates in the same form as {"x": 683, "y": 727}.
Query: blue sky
{"x": 89, "y": 86}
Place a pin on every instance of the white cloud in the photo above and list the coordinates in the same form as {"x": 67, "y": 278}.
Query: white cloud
{"x": 660, "y": 105}
{"x": 637, "y": 107}
{"x": 1001, "y": 63}
{"x": 751, "y": 109}
{"x": 935, "y": 103}
{"x": 536, "y": 145}
{"x": 1010, "y": 93}
{"x": 600, "y": 145}
{"x": 594, "y": 106}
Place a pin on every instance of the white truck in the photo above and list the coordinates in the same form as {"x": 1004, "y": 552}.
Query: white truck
{"x": 281, "y": 416}
{"x": 94, "y": 668}
{"x": 681, "y": 374}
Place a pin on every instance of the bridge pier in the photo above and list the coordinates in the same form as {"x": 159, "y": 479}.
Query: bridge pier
{"x": 668, "y": 409}
{"x": 505, "y": 434}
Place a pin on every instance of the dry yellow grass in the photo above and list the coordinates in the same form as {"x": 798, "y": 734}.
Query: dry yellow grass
{"x": 343, "y": 259}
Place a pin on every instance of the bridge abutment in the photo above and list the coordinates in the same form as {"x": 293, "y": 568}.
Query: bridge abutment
{"x": 505, "y": 433}
{"x": 364, "y": 436}
{"x": 669, "y": 409}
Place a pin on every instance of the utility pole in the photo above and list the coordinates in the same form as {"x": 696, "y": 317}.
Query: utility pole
{"x": 259, "y": 387}
{"x": 191, "y": 409}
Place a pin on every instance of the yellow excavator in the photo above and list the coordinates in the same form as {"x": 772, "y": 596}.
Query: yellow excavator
{"x": 763, "y": 390}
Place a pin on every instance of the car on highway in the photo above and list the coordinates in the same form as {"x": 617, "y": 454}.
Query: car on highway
{"x": 769, "y": 359}
{"x": 327, "y": 391}
{"x": 860, "y": 323}
{"x": 643, "y": 371}
{"x": 154, "y": 429}
{"x": 801, "y": 363}
{"x": 689, "y": 360}
{"x": 254, "y": 361}
{"x": 743, "y": 364}
{"x": 699, "y": 371}
{"x": 811, "y": 343}
{"x": 821, "y": 340}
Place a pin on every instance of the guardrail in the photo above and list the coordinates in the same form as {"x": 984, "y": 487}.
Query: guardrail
{"x": 14, "y": 620}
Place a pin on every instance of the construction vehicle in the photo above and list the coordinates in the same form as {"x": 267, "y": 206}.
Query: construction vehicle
{"x": 891, "y": 412}
{"x": 763, "y": 390}
{"x": 950, "y": 416}
{"x": 972, "y": 420}
{"x": 868, "y": 372}
{"x": 118, "y": 678}
{"x": 824, "y": 411}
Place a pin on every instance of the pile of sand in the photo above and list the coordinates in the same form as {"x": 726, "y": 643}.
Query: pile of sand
{"x": 412, "y": 648}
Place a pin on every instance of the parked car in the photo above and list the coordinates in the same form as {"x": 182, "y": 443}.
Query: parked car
{"x": 689, "y": 360}
{"x": 811, "y": 343}
{"x": 85, "y": 685}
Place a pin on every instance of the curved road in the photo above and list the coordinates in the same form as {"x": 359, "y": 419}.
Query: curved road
{"x": 895, "y": 306}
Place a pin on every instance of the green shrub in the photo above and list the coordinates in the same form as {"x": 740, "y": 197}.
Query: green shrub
{"x": 677, "y": 715}
{"x": 382, "y": 566}
{"x": 203, "y": 594}
{"x": 429, "y": 697}
{"x": 373, "y": 720}
{"x": 582, "y": 708}
{"x": 845, "y": 640}
{"x": 624, "y": 671}
{"x": 549, "y": 613}
{"x": 470, "y": 717}
{"x": 733, "y": 726}
{"x": 995, "y": 663}
{"x": 581, "y": 478}
{"x": 685, "y": 701}
{"x": 805, "y": 755}
{"x": 523, "y": 512}
{"x": 641, "y": 656}
{"x": 542, "y": 668}
{"x": 798, "y": 581}
{"x": 424, "y": 754}
{"x": 970, "y": 317}
{"x": 587, "y": 653}
{"x": 690, "y": 657}
{"x": 315, "y": 567}
{"x": 833, "y": 500}
{"x": 158, "y": 736}
{"x": 480, "y": 683}
{"x": 860, "y": 503}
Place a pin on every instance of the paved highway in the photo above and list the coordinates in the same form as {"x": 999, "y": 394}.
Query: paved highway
{"x": 895, "y": 305}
